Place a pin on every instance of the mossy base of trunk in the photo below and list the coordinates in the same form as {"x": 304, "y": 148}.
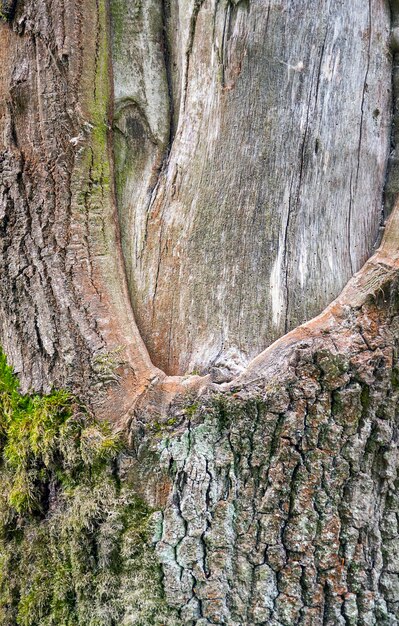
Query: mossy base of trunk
{"x": 273, "y": 503}
{"x": 75, "y": 538}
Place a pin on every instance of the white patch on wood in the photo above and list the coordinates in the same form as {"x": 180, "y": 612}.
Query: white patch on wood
{"x": 303, "y": 264}
{"x": 277, "y": 288}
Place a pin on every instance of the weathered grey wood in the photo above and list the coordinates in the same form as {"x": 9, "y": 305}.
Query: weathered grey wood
{"x": 392, "y": 182}
{"x": 274, "y": 143}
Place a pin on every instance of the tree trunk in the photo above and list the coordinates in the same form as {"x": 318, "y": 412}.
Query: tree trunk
{"x": 182, "y": 184}
{"x": 250, "y": 161}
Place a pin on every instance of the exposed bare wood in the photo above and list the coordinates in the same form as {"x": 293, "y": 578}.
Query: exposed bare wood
{"x": 251, "y": 149}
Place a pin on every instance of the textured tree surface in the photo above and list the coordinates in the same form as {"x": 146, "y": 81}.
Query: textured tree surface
{"x": 284, "y": 506}
{"x": 181, "y": 184}
{"x": 250, "y": 159}
{"x": 65, "y": 313}
{"x": 251, "y": 145}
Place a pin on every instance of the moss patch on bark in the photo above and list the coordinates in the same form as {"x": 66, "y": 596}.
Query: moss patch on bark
{"x": 75, "y": 538}
{"x": 7, "y": 9}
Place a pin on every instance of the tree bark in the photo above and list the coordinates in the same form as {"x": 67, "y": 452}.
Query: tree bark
{"x": 181, "y": 185}
{"x": 283, "y": 504}
{"x": 65, "y": 311}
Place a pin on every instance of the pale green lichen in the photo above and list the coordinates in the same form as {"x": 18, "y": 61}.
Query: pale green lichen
{"x": 106, "y": 364}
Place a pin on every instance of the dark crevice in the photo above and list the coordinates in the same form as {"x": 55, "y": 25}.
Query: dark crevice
{"x": 168, "y": 70}
{"x": 193, "y": 23}
{"x": 391, "y": 187}
{"x": 8, "y": 8}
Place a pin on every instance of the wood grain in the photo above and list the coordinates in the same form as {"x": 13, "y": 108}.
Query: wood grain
{"x": 251, "y": 144}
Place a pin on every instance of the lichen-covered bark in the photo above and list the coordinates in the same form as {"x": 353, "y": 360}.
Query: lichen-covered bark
{"x": 273, "y": 498}
{"x": 251, "y": 145}
{"x": 275, "y": 502}
{"x": 283, "y": 506}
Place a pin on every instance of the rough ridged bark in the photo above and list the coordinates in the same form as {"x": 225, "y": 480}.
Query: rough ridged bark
{"x": 283, "y": 502}
{"x": 280, "y": 501}
{"x": 276, "y": 493}
{"x": 65, "y": 313}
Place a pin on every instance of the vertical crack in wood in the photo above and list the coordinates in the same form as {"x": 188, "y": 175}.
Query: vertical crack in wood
{"x": 193, "y": 24}
{"x": 364, "y": 92}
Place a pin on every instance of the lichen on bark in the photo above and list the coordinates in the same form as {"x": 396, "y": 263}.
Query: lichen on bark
{"x": 284, "y": 505}
{"x": 273, "y": 502}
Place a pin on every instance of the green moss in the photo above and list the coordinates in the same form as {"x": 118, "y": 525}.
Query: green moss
{"x": 43, "y": 435}
{"x": 395, "y": 378}
{"x": 75, "y": 540}
{"x": 191, "y": 410}
{"x": 163, "y": 427}
{"x": 7, "y": 10}
{"x": 118, "y": 21}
